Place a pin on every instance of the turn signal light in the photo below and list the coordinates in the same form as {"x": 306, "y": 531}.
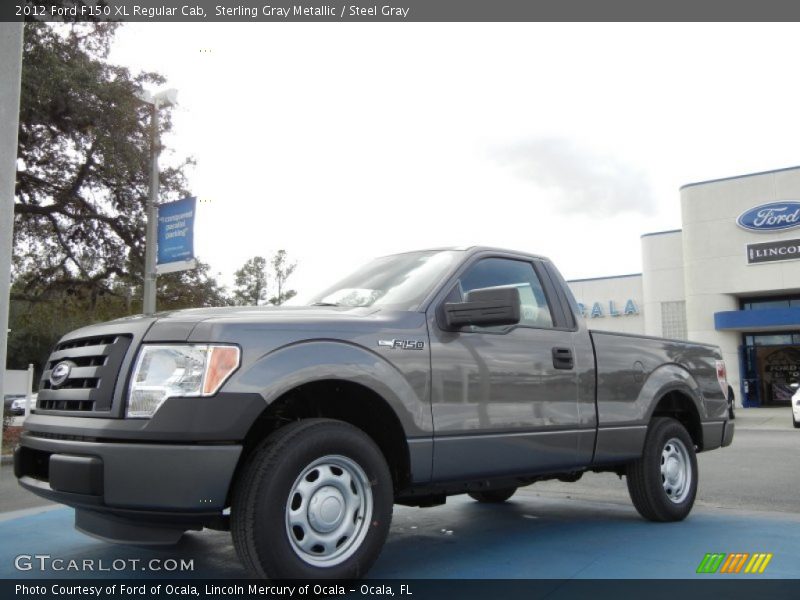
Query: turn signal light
{"x": 222, "y": 361}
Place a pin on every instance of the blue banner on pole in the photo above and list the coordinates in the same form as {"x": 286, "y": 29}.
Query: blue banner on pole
{"x": 176, "y": 235}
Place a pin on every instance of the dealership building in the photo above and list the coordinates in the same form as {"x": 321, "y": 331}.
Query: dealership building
{"x": 730, "y": 277}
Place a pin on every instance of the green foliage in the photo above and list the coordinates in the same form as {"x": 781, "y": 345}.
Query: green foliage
{"x": 83, "y": 157}
{"x": 36, "y": 325}
{"x": 251, "y": 282}
{"x": 282, "y": 269}
{"x": 193, "y": 288}
{"x": 81, "y": 189}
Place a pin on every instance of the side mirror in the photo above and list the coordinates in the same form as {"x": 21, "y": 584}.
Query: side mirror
{"x": 485, "y": 308}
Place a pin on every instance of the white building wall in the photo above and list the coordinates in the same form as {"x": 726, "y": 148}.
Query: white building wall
{"x": 617, "y": 290}
{"x": 662, "y": 277}
{"x": 716, "y": 272}
{"x": 15, "y": 382}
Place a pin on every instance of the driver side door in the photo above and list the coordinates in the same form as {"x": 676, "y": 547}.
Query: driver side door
{"x": 504, "y": 398}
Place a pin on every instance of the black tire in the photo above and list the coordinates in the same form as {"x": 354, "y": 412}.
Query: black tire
{"x": 649, "y": 489}
{"x": 493, "y": 496}
{"x": 731, "y": 403}
{"x": 260, "y": 507}
{"x": 795, "y": 423}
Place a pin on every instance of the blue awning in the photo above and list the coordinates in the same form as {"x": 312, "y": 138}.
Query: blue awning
{"x": 767, "y": 319}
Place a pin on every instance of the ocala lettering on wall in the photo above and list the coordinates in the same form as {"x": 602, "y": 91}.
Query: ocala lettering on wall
{"x": 598, "y": 309}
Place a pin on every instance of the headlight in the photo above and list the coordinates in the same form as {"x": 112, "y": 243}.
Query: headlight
{"x": 162, "y": 372}
{"x": 19, "y": 403}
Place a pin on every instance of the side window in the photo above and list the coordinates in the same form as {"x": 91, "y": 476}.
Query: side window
{"x": 504, "y": 272}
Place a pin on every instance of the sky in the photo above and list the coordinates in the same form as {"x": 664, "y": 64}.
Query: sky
{"x": 339, "y": 142}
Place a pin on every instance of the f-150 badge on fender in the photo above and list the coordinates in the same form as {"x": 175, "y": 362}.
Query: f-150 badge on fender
{"x": 402, "y": 344}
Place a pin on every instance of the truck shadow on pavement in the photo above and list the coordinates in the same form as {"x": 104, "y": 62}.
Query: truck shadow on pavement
{"x": 530, "y": 536}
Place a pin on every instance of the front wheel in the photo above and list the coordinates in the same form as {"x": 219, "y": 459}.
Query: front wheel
{"x": 313, "y": 501}
{"x": 663, "y": 482}
{"x": 795, "y": 422}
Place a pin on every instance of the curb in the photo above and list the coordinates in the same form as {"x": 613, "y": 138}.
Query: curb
{"x": 7, "y": 459}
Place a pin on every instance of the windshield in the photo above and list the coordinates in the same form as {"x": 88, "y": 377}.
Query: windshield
{"x": 398, "y": 281}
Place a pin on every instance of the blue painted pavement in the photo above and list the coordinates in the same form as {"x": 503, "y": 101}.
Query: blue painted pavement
{"x": 532, "y": 536}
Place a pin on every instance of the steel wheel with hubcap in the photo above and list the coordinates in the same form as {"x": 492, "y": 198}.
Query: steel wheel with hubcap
{"x": 676, "y": 470}
{"x": 328, "y": 510}
{"x": 663, "y": 482}
{"x": 313, "y": 501}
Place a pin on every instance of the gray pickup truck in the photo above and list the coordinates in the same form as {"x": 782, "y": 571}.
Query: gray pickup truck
{"x": 420, "y": 376}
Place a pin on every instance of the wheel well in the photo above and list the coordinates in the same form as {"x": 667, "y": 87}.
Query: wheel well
{"x": 681, "y": 407}
{"x": 345, "y": 401}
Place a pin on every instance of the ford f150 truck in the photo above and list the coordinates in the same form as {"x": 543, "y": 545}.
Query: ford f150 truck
{"x": 419, "y": 376}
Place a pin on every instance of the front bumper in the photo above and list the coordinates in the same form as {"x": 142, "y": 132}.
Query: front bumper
{"x": 177, "y": 486}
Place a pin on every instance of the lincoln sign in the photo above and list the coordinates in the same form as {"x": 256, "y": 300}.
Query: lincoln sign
{"x": 773, "y": 251}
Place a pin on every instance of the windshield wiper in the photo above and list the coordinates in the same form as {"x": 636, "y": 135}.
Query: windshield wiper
{"x": 325, "y": 304}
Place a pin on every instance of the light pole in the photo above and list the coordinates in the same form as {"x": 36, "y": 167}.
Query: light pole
{"x": 156, "y": 102}
{"x": 10, "y": 78}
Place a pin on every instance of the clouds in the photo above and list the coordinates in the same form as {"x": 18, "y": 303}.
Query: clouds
{"x": 580, "y": 179}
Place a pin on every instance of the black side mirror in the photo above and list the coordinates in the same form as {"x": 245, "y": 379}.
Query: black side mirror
{"x": 485, "y": 308}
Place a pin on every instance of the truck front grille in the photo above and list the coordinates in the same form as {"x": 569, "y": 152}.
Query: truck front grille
{"x": 94, "y": 363}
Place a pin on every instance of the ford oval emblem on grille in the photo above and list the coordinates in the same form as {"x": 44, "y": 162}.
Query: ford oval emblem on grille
{"x": 60, "y": 373}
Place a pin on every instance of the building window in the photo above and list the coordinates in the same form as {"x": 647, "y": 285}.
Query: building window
{"x": 770, "y": 303}
{"x": 772, "y": 339}
{"x": 673, "y": 320}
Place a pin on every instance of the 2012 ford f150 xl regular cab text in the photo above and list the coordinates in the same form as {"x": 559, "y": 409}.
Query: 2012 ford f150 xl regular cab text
{"x": 419, "y": 376}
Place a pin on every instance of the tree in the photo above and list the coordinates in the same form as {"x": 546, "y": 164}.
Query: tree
{"x": 282, "y": 270}
{"x": 82, "y": 176}
{"x": 81, "y": 188}
{"x": 193, "y": 288}
{"x": 251, "y": 282}
{"x": 36, "y": 325}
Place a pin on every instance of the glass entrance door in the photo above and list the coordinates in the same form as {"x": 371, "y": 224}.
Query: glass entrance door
{"x": 770, "y": 368}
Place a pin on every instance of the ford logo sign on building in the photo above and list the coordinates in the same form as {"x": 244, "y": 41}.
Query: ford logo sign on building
{"x": 775, "y": 216}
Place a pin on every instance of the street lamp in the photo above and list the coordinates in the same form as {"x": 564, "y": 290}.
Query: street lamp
{"x": 163, "y": 99}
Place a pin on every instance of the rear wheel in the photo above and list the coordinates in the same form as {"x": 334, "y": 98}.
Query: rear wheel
{"x": 313, "y": 501}
{"x": 493, "y": 496}
{"x": 663, "y": 482}
{"x": 731, "y": 403}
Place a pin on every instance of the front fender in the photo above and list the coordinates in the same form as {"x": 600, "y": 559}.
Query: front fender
{"x": 290, "y": 366}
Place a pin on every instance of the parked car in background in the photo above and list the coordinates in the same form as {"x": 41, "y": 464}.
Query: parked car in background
{"x": 796, "y": 409}
{"x": 14, "y": 404}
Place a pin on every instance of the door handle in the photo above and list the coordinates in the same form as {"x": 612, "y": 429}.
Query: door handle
{"x": 563, "y": 359}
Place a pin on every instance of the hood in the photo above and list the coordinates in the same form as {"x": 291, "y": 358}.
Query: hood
{"x": 266, "y": 313}
{"x": 208, "y": 322}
